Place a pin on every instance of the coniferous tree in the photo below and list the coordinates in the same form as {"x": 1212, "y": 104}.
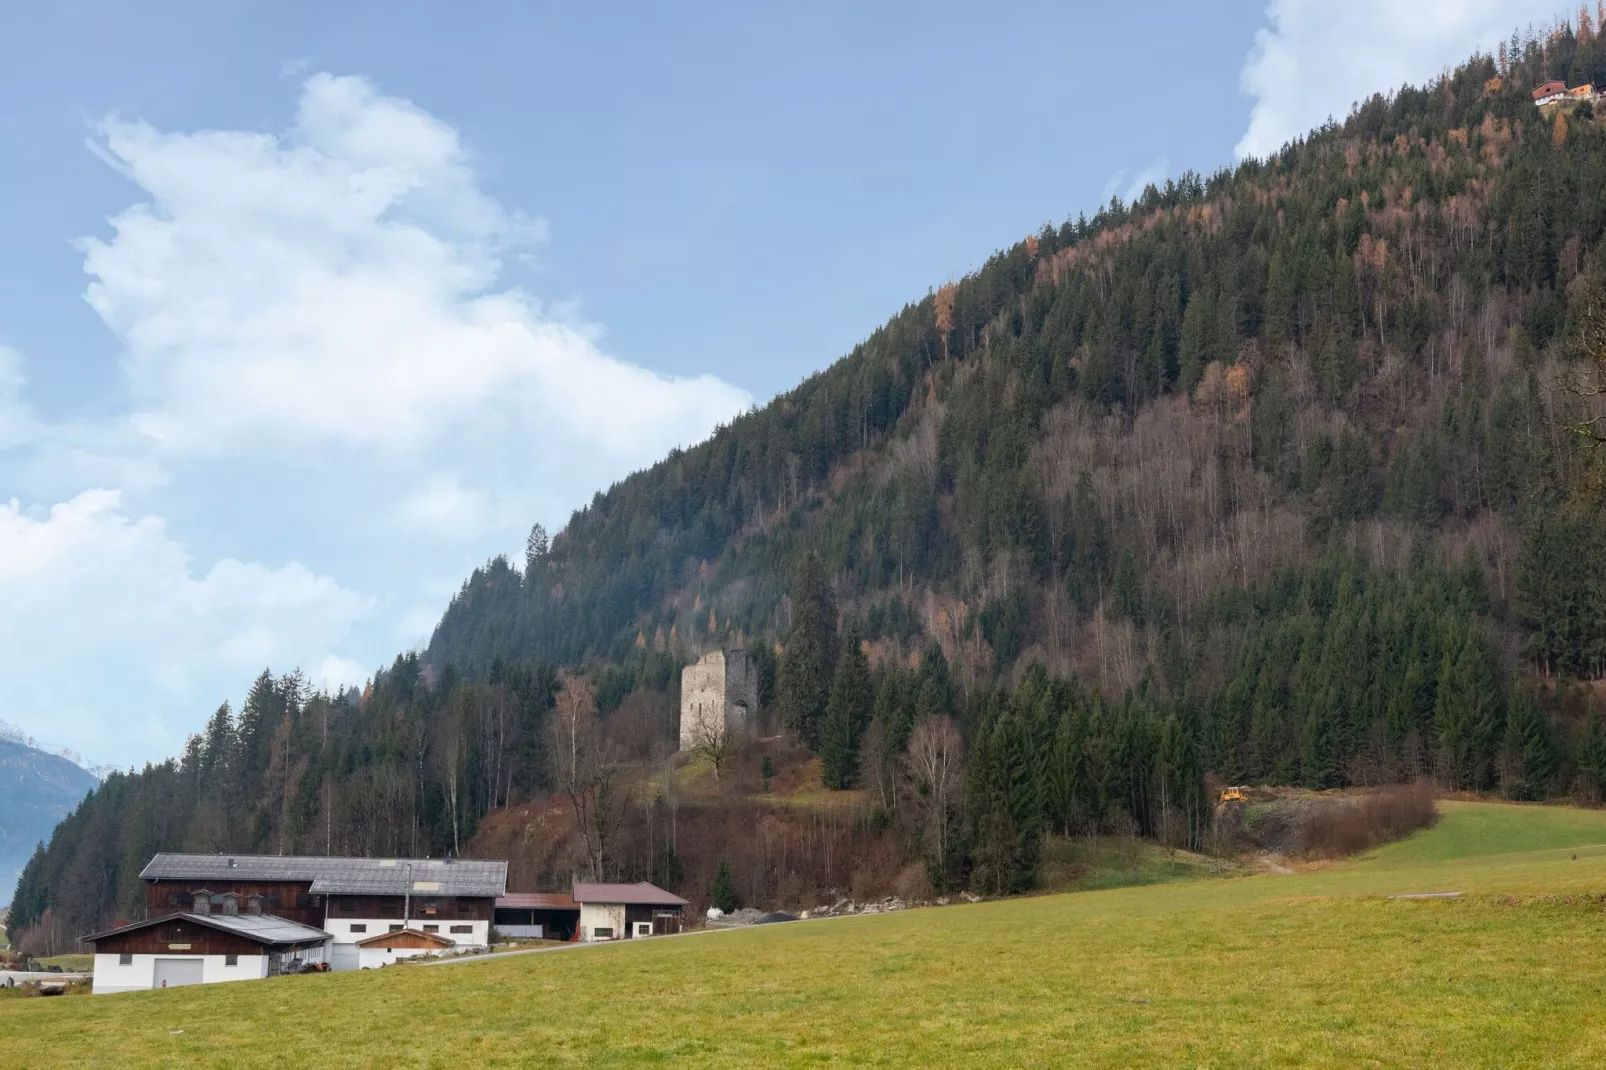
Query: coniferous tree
{"x": 723, "y": 893}
{"x": 810, "y": 657}
{"x": 1528, "y": 758}
{"x": 847, "y": 713}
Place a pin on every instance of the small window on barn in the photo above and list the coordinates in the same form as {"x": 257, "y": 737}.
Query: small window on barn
{"x": 389, "y": 909}
{"x": 604, "y": 933}
{"x": 175, "y": 899}
{"x": 345, "y": 906}
{"x": 125, "y": 959}
{"x": 429, "y": 907}
{"x": 462, "y": 928}
{"x": 273, "y": 900}
{"x": 432, "y": 928}
{"x": 303, "y": 901}
{"x": 395, "y": 928}
{"x": 359, "y": 928}
{"x": 231, "y": 960}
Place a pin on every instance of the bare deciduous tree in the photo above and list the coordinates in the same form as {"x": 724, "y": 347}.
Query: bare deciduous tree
{"x": 934, "y": 765}
{"x": 587, "y": 773}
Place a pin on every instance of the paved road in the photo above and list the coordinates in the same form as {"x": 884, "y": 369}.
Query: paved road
{"x": 575, "y": 946}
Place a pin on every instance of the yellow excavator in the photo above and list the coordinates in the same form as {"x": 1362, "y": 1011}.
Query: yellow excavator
{"x": 1235, "y": 795}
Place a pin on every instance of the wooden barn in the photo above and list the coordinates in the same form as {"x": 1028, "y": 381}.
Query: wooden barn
{"x": 351, "y": 898}
{"x": 538, "y": 915}
{"x": 194, "y": 949}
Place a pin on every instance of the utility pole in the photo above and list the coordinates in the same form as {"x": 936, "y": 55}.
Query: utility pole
{"x": 407, "y": 897}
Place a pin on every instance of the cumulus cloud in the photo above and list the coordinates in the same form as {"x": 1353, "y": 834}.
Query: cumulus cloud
{"x": 1318, "y": 57}
{"x": 100, "y": 610}
{"x": 319, "y": 348}
{"x": 338, "y": 283}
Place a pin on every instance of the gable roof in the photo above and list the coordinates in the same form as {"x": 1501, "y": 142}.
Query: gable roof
{"x": 640, "y": 894}
{"x": 1550, "y": 89}
{"x": 264, "y": 929}
{"x": 406, "y": 938}
{"x": 470, "y": 878}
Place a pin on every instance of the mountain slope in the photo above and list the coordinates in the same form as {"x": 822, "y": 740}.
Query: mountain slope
{"x": 1266, "y": 476}
{"x": 37, "y": 790}
{"x": 1066, "y": 456}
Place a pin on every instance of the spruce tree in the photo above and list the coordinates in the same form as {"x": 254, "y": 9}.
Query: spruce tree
{"x": 723, "y": 894}
{"x": 1528, "y": 759}
{"x": 847, "y": 713}
{"x": 810, "y": 657}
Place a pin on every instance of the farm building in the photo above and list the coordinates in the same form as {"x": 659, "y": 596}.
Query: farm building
{"x": 389, "y": 947}
{"x": 351, "y": 899}
{"x": 193, "y": 949}
{"x": 623, "y": 911}
{"x": 541, "y": 915}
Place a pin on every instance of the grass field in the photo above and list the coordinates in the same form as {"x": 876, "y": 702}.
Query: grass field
{"x": 1317, "y": 968}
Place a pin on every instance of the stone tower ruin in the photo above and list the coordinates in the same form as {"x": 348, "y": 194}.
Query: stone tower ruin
{"x": 718, "y": 696}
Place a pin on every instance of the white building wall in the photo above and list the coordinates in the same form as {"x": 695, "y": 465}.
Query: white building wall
{"x": 112, "y": 976}
{"x": 479, "y": 934}
{"x": 594, "y": 916}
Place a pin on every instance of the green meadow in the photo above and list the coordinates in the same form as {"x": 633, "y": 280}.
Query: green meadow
{"x": 1317, "y": 968}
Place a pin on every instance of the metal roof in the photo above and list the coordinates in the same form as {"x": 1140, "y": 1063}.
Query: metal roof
{"x": 640, "y": 894}
{"x": 537, "y": 901}
{"x": 340, "y": 876}
{"x": 262, "y": 928}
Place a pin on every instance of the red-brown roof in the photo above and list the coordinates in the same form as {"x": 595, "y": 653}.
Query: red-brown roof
{"x": 537, "y": 901}
{"x": 641, "y": 894}
{"x": 405, "y": 938}
{"x": 1550, "y": 89}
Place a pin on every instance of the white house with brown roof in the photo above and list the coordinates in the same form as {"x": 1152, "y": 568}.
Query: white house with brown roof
{"x": 626, "y": 911}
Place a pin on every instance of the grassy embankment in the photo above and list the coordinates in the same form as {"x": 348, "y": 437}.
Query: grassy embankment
{"x": 1316, "y": 968}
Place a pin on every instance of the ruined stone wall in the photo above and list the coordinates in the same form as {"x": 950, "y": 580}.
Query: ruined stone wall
{"x": 720, "y": 691}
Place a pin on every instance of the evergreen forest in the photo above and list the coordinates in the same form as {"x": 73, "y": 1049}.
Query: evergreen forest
{"x": 1280, "y": 475}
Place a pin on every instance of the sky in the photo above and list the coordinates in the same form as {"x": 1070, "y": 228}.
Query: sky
{"x": 307, "y": 309}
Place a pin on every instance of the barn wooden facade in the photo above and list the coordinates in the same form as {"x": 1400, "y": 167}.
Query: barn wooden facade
{"x": 186, "y": 949}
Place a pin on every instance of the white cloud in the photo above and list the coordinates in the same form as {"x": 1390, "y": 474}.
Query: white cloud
{"x": 337, "y": 284}
{"x": 319, "y": 352}
{"x": 337, "y": 674}
{"x": 447, "y": 509}
{"x": 1318, "y": 57}
{"x": 110, "y": 640}
{"x": 17, "y": 424}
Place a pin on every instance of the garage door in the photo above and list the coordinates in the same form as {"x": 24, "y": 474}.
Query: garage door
{"x": 171, "y": 973}
{"x": 346, "y": 957}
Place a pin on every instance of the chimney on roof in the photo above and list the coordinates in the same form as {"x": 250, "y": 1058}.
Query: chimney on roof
{"x": 231, "y": 863}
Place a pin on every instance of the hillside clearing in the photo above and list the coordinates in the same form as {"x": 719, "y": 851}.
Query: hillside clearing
{"x": 1311, "y": 969}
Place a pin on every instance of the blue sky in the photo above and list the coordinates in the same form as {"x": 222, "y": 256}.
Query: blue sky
{"x": 307, "y": 309}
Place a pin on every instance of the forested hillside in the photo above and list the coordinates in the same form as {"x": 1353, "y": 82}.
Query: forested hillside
{"x": 1280, "y": 475}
